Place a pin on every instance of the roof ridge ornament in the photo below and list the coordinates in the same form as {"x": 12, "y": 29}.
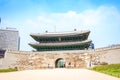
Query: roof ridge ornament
{"x": 75, "y": 29}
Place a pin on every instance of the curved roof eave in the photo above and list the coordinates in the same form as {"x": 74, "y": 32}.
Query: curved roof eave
{"x": 59, "y": 34}
{"x": 60, "y": 44}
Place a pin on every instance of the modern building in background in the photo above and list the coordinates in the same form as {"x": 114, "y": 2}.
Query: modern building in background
{"x": 9, "y": 39}
{"x": 75, "y": 40}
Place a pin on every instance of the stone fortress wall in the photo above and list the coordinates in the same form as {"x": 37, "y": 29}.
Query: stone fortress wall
{"x": 74, "y": 59}
{"x": 110, "y": 55}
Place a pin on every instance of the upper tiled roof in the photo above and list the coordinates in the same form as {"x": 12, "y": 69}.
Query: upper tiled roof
{"x": 55, "y": 34}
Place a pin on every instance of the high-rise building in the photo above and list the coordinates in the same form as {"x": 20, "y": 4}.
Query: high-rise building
{"x": 75, "y": 40}
{"x": 9, "y": 39}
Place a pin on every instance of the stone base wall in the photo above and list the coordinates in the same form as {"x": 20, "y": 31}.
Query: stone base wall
{"x": 109, "y": 55}
{"x": 74, "y": 58}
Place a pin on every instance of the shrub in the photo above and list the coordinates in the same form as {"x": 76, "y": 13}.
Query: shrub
{"x": 8, "y": 70}
{"x": 103, "y": 63}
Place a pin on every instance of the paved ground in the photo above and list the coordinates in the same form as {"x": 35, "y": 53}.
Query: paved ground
{"x": 56, "y": 74}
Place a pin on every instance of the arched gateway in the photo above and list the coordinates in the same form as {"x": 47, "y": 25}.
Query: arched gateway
{"x": 60, "y": 63}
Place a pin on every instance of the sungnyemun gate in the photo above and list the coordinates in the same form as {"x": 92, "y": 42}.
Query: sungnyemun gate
{"x": 75, "y": 40}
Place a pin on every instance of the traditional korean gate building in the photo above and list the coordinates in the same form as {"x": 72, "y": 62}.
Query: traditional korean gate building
{"x": 75, "y": 40}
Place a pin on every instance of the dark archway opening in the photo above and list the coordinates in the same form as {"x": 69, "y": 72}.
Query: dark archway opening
{"x": 60, "y": 63}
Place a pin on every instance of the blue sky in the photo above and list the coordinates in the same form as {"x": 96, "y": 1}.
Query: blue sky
{"x": 101, "y": 17}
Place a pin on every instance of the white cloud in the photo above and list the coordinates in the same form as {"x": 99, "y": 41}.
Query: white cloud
{"x": 44, "y": 19}
{"x": 70, "y": 19}
{"x": 103, "y": 22}
{"x": 31, "y": 22}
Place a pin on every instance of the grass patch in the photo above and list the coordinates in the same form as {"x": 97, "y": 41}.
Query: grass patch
{"x": 112, "y": 69}
{"x": 8, "y": 70}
